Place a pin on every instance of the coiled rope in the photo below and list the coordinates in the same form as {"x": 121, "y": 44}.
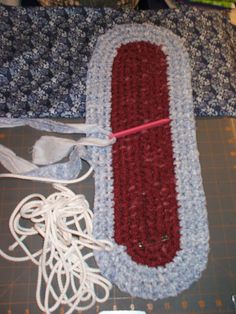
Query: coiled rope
{"x": 66, "y": 275}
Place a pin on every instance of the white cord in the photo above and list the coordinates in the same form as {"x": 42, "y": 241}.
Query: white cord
{"x": 47, "y": 180}
{"x": 65, "y": 273}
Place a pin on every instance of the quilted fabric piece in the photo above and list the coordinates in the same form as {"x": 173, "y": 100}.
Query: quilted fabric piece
{"x": 149, "y": 199}
{"x": 44, "y": 55}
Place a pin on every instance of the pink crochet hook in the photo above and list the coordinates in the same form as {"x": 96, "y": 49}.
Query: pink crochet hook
{"x": 139, "y": 128}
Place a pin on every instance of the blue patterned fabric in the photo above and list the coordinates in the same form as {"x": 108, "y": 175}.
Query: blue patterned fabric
{"x": 44, "y": 54}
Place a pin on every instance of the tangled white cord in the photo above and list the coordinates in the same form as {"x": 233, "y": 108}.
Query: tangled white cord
{"x": 66, "y": 273}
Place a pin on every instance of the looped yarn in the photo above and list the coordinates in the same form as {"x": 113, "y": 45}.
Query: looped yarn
{"x": 66, "y": 271}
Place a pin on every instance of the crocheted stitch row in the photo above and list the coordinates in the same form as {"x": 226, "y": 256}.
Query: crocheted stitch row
{"x": 190, "y": 259}
{"x": 146, "y": 218}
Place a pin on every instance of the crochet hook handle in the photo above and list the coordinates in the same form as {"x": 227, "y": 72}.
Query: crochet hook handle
{"x": 140, "y": 128}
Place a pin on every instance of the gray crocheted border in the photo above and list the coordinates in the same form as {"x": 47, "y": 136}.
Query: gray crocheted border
{"x": 189, "y": 262}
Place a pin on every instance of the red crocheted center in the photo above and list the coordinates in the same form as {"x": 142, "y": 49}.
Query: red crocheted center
{"x": 146, "y": 211}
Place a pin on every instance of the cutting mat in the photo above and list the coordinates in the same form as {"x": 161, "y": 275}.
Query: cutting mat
{"x": 212, "y": 294}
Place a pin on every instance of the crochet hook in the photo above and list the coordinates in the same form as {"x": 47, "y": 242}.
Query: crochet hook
{"x": 140, "y": 128}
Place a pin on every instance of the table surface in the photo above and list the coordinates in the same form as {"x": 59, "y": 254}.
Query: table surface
{"x": 212, "y": 294}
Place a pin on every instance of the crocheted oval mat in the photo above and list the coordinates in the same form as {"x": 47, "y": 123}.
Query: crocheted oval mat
{"x": 149, "y": 199}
